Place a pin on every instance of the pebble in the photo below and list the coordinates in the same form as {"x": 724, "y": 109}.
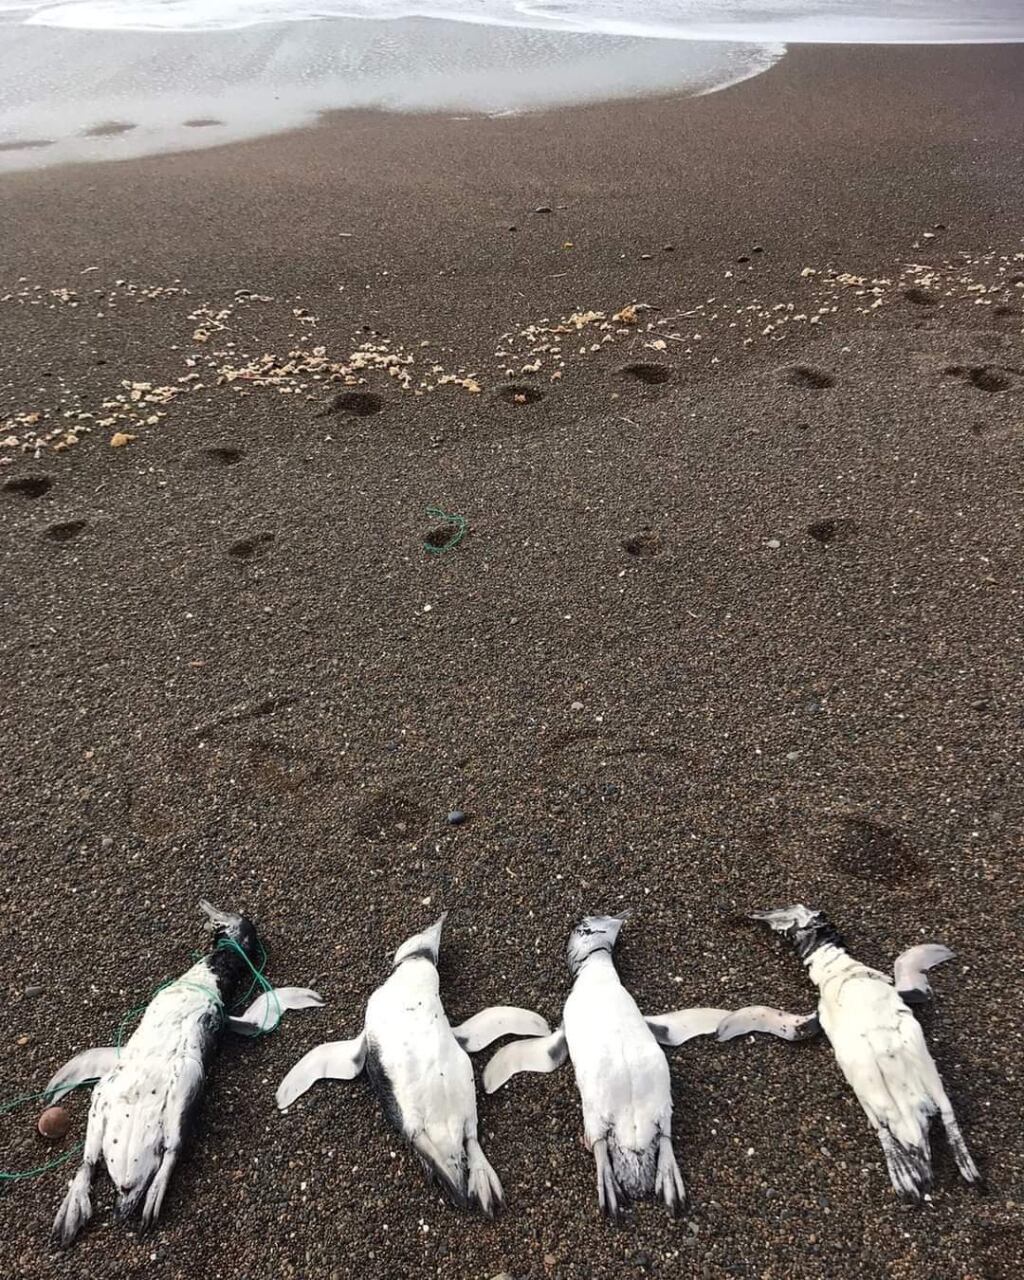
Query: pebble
{"x": 773, "y": 544}
{"x": 646, "y": 257}
{"x": 456, "y": 818}
{"x": 668, "y": 248}
{"x": 107, "y": 842}
{"x": 31, "y": 992}
{"x": 543, "y": 208}
{"x": 24, "y": 1040}
{"x": 54, "y": 1122}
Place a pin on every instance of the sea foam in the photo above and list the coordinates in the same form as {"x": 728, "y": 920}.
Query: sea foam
{"x": 756, "y": 21}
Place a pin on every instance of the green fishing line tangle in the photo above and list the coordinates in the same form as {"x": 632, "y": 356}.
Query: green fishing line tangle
{"x": 460, "y": 525}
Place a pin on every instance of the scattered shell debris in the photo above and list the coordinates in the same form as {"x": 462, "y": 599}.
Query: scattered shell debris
{"x": 213, "y": 352}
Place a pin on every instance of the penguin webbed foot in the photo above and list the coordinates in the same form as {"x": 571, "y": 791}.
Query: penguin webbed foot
{"x": 485, "y": 1190}
{"x": 910, "y": 1168}
{"x": 608, "y": 1191}
{"x": 75, "y": 1210}
{"x": 668, "y": 1182}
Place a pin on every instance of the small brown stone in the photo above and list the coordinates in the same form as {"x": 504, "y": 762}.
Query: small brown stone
{"x": 54, "y": 1123}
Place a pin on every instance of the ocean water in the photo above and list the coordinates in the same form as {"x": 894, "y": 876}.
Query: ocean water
{"x": 112, "y": 79}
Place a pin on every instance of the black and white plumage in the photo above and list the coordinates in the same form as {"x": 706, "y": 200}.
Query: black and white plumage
{"x": 621, "y": 1070}
{"x": 418, "y": 1065}
{"x": 146, "y": 1091}
{"x": 877, "y": 1041}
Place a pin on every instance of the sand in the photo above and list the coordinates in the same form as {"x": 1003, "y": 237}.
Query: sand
{"x": 231, "y": 669}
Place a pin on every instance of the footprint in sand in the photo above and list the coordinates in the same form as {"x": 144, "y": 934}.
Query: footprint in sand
{"x": 354, "y": 404}
{"x": 647, "y": 372}
{"x": 222, "y": 455}
{"x": 832, "y": 529}
{"x": 519, "y": 394}
{"x": 26, "y": 144}
{"x": 65, "y": 530}
{"x": 389, "y": 815}
{"x": 29, "y": 486}
{"x": 643, "y": 545}
{"x": 920, "y": 297}
{"x": 806, "y": 375}
{"x": 985, "y": 377}
{"x": 251, "y": 548}
{"x": 109, "y": 129}
{"x": 873, "y": 852}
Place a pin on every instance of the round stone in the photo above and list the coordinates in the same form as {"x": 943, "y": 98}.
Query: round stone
{"x": 456, "y": 818}
{"x": 54, "y": 1123}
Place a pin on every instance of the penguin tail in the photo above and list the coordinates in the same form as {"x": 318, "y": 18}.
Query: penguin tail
{"x": 964, "y": 1162}
{"x": 635, "y": 1171}
{"x": 910, "y": 1167}
{"x": 449, "y": 1173}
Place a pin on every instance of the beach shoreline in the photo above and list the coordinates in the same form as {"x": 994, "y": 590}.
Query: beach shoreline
{"x": 728, "y": 390}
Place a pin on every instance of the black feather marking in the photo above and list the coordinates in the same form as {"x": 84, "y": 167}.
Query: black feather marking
{"x": 381, "y": 1084}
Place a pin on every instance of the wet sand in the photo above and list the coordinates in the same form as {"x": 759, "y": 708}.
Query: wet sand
{"x": 737, "y": 621}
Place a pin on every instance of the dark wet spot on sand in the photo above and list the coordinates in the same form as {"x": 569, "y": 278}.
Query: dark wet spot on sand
{"x": 65, "y": 530}
{"x": 202, "y": 122}
{"x": 29, "y": 486}
{"x": 871, "y": 851}
{"x": 919, "y": 297}
{"x": 806, "y": 375}
{"x": 251, "y": 548}
{"x": 519, "y": 394}
{"x": 832, "y": 529}
{"x": 646, "y": 543}
{"x": 389, "y": 815}
{"x": 109, "y": 129}
{"x": 357, "y": 404}
{"x": 1004, "y": 310}
{"x": 648, "y": 372}
{"x": 223, "y": 455}
{"x": 26, "y": 144}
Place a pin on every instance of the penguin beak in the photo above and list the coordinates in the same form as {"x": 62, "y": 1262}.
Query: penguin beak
{"x": 218, "y": 919}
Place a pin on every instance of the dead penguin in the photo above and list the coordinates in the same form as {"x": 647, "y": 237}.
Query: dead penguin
{"x": 147, "y": 1090}
{"x": 877, "y": 1041}
{"x": 418, "y": 1065}
{"x": 621, "y": 1071}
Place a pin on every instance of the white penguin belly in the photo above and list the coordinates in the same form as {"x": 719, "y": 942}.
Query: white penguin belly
{"x": 430, "y": 1075}
{"x": 621, "y": 1072}
{"x": 881, "y": 1051}
{"x": 157, "y": 1076}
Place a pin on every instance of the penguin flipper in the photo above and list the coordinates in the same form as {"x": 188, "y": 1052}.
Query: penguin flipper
{"x": 488, "y": 1025}
{"x": 671, "y": 1029}
{"x": 265, "y": 1012}
{"x": 336, "y": 1060}
{"x": 84, "y": 1068}
{"x": 758, "y": 1017}
{"x": 910, "y": 968}
{"x": 546, "y": 1053}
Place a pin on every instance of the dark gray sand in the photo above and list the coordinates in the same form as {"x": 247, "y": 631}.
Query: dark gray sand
{"x": 738, "y": 629}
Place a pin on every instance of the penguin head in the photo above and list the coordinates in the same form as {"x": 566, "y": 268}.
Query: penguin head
{"x": 593, "y": 933}
{"x": 801, "y": 926}
{"x": 425, "y": 945}
{"x": 228, "y": 924}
